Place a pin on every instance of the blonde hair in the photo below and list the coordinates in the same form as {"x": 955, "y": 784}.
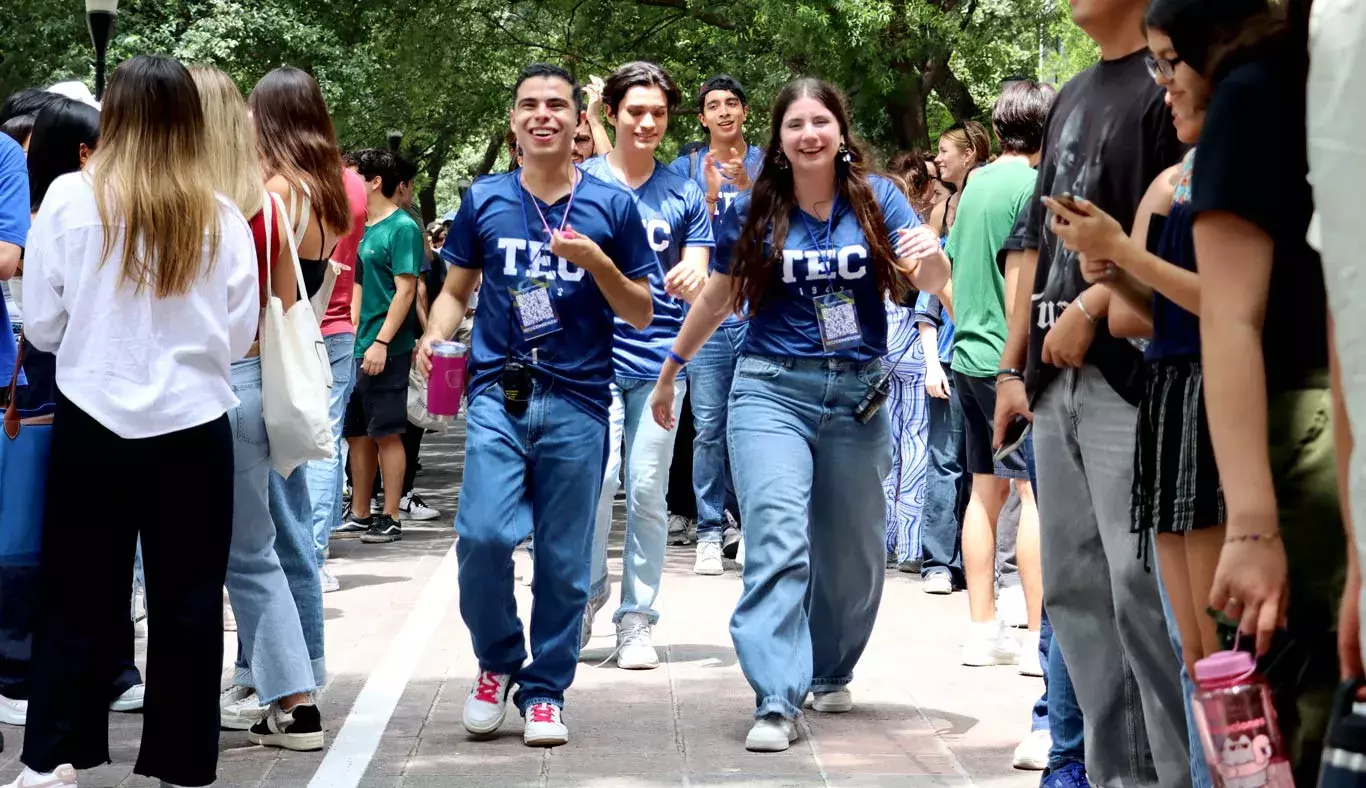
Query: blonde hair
{"x": 230, "y": 140}
{"x": 151, "y": 174}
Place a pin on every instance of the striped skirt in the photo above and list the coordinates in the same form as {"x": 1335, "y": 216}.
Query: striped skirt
{"x": 1176, "y": 483}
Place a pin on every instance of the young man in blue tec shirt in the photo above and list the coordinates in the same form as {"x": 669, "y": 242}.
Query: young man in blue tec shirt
{"x": 638, "y": 98}
{"x": 562, "y": 254}
{"x": 724, "y": 168}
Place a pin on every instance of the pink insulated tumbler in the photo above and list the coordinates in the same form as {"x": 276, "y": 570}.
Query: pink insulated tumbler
{"x": 1237, "y": 723}
{"x": 447, "y": 383}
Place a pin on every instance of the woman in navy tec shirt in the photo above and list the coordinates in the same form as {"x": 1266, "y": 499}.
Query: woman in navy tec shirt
{"x": 807, "y": 471}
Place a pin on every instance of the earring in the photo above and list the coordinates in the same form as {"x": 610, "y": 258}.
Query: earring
{"x": 780, "y": 160}
{"x": 845, "y": 157}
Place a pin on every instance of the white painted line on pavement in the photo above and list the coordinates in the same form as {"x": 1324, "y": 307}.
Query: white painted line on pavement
{"x": 355, "y": 744}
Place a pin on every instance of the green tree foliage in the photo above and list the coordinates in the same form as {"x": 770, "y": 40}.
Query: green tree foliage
{"x": 439, "y": 71}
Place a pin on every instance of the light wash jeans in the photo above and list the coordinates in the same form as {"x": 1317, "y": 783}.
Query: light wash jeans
{"x": 646, "y": 450}
{"x": 549, "y": 456}
{"x": 291, "y": 510}
{"x": 325, "y": 477}
{"x": 710, "y": 374}
{"x": 809, "y": 478}
{"x": 1105, "y": 607}
{"x": 269, "y": 635}
{"x": 1200, "y": 776}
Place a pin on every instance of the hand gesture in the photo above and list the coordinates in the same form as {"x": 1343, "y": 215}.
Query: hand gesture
{"x": 662, "y": 405}
{"x": 685, "y": 281}
{"x": 1011, "y": 401}
{"x": 1250, "y": 582}
{"x": 578, "y": 249}
{"x": 734, "y": 170}
{"x": 592, "y": 94}
{"x": 375, "y": 358}
{"x": 1065, "y": 344}
{"x": 1087, "y": 230}
{"x": 917, "y": 243}
{"x": 711, "y": 175}
{"x": 936, "y": 381}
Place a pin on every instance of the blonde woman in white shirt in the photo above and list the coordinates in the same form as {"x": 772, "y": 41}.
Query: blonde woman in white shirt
{"x": 142, "y": 280}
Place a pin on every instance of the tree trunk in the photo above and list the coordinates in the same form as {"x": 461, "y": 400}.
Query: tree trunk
{"x": 426, "y": 197}
{"x": 906, "y": 111}
{"x": 491, "y": 152}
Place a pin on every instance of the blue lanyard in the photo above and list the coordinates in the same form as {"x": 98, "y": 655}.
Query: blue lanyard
{"x": 829, "y": 239}
{"x": 545, "y": 225}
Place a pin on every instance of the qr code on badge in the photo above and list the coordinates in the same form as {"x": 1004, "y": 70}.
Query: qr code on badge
{"x": 535, "y": 309}
{"x": 841, "y": 322}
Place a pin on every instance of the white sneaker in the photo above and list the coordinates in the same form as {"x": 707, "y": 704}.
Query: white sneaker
{"x": 634, "y": 649}
{"x": 13, "y": 712}
{"x": 62, "y": 777}
{"x": 544, "y": 726}
{"x": 834, "y": 702}
{"x": 989, "y": 643}
{"x": 412, "y": 507}
{"x": 486, "y": 705}
{"x": 329, "y": 581}
{"x": 708, "y": 559}
{"x": 131, "y": 700}
{"x": 1029, "y": 654}
{"x": 1010, "y": 607}
{"x": 1032, "y": 753}
{"x": 229, "y": 620}
{"x": 937, "y": 583}
{"x": 773, "y": 733}
{"x": 239, "y": 708}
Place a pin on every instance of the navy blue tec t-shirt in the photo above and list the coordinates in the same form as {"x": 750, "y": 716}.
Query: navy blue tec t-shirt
{"x": 786, "y": 323}
{"x": 674, "y": 212}
{"x": 498, "y": 230}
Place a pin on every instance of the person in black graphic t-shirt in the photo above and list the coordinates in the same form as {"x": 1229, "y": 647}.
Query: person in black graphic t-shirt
{"x": 1109, "y": 135}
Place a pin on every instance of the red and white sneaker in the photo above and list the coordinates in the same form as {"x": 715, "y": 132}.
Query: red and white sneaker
{"x": 544, "y": 727}
{"x": 486, "y": 705}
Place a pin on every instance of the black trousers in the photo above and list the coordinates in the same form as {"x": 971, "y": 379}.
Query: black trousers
{"x": 681, "y": 498}
{"x": 98, "y": 484}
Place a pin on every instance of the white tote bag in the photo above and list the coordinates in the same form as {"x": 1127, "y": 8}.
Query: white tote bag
{"x": 296, "y": 374}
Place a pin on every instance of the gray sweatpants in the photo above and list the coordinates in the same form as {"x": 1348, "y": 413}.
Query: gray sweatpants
{"x": 1104, "y": 606}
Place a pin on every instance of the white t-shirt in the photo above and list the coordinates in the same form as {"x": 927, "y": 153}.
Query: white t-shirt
{"x": 139, "y": 365}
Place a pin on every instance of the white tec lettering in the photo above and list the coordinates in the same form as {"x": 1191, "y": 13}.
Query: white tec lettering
{"x": 544, "y": 265}
{"x": 850, "y": 262}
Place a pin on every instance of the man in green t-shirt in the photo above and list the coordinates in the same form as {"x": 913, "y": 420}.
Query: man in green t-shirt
{"x": 390, "y": 257}
{"x": 977, "y": 300}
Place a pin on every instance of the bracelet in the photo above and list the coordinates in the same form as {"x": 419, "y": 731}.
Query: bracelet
{"x": 1081, "y": 304}
{"x": 379, "y": 341}
{"x": 1010, "y": 372}
{"x": 1252, "y": 537}
{"x": 677, "y": 359}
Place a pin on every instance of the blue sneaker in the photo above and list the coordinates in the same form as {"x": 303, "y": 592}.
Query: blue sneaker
{"x": 1070, "y": 775}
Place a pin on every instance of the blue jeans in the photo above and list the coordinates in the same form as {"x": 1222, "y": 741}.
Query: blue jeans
{"x": 809, "y": 479}
{"x": 551, "y": 455}
{"x": 1061, "y": 712}
{"x": 1200, "y": 776}
{"x": 648, "y": 451}
{"x": 291, "y": 510}
{"x": 325, "y": 477}
{"x": 269, "y": 635}
{"x": 710, "y": 374}
{"x": 946, "y": 490}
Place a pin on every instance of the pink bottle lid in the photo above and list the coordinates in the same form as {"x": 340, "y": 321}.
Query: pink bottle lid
{"x": 1223, "y": 666}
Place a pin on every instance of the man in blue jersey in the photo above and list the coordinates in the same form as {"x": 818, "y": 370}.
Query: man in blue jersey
{"x": 562, "y": 254}
{"x": 638, "y": 99}
{"x": 724, "y": 168}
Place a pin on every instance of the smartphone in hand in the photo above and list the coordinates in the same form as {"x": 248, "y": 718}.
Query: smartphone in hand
{"x": 1016, "y": 432}
{"x": 1068, "y": 201}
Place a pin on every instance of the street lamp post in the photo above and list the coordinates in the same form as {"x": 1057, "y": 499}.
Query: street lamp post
{"x": 395, "y": 139}
{"x": 100, "y": 16}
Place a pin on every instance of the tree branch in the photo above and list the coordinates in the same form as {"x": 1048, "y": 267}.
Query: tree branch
{"x": 715, "y": 20}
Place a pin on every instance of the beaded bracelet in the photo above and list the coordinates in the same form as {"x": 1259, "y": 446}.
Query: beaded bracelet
{"x": 1252, "y": 537}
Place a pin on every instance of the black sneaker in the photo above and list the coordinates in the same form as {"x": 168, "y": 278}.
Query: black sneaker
{"x": 730, "y": 542}
{"x": 383, "y": 530}
{"x": 299, "y": 729}
{"x": 353, "y": 527}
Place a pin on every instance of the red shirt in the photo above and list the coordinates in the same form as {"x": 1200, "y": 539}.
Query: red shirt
{"x": 337, "y": 319}
{"x": 257, "y": 224}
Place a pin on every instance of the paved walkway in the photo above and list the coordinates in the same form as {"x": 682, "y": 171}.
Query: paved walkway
{"x": 400, "y": 666}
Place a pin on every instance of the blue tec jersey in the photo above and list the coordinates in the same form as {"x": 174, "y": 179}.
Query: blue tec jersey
{"x": 675, "y": 215}
{"x": 498, "y": 230}
{"x": 786, "y": 324}
{"x": 14, "y": 224}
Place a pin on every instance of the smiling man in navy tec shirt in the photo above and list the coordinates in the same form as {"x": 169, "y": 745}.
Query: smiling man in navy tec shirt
{"x": 561, "y": 253}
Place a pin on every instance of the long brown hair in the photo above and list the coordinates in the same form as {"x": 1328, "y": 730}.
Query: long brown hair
{"x": 773, "y": 200}
{"x": 296, "y": 140}
{"x": 151, "y": 174}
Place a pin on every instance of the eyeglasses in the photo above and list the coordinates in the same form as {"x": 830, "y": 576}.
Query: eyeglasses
{"x": 1163, "y": 67}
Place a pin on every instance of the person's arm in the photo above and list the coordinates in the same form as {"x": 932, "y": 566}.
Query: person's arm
{"x": 1126, "y": 321}
{"x": 602, "y": 143}
{"x": 447, "y": 313}
{"x": 377, "y": 355}
{"x": 946, "y": 296}
{"x": 708, "y": 312}
{"x": 15, "y": 217}
{"x": 283, "y": 282}
{"x": 1349, "y": 615}
{"x": 936, "y": 379}
{"x": 356, "y": 293}
{"x": 237, "y": 251}
{"x": 624, "y": 281}
{"x": 421, "y": 305}
{"x": 10, "y": 255}
{"x": 688, "y": 276}
{"x": 45, "y": 315}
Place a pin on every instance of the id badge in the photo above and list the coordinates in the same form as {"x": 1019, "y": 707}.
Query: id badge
{"x": 535, "y": 309}
{"x": 838, "y": 321}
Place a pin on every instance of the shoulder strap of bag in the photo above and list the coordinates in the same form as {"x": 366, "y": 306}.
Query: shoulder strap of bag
{"x": 294, "y": 255}
{"x": 304, "y": 211}
{"x": 268, "y": 214}
{"x": 12, "y": 407}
